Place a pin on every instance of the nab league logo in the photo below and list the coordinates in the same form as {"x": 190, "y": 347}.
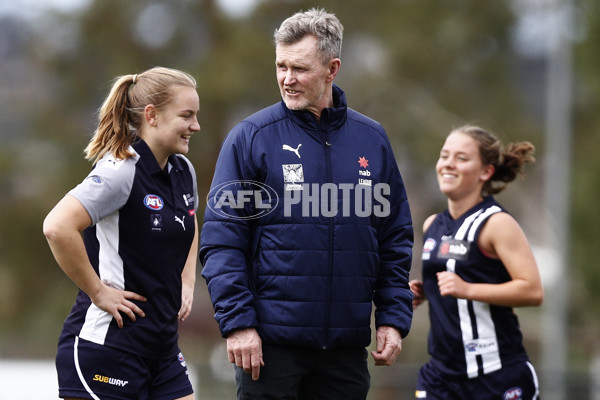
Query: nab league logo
{"x": 154, "y": 202}
{"x": 364, "y": 163}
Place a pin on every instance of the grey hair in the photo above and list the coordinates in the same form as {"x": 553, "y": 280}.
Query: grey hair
{"x": 325, "y": 26}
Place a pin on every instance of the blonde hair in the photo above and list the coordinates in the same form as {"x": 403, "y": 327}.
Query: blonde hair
{"x": 120, "y": 116}
{"x": 508, "y": 161}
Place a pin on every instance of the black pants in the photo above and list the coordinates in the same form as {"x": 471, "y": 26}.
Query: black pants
{"x": 306, "y": 374}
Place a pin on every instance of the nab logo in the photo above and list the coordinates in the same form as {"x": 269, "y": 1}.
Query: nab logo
{"x": 153, "y": 202}
{"x": 457, "y": 249}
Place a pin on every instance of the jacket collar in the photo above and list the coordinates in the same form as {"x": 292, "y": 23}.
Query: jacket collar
{"x": 331, "y": 118}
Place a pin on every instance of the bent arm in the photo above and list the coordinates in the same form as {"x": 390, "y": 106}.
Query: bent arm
{"x": 416, "y": 285}
{"x": 502, "y": 237}
{"x": 62, "y": 228}
{"x": 393, "y": 298}
{"x": 227, "y": 236}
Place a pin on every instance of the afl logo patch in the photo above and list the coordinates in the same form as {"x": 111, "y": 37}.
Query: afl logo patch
{"x": 429, "y": 245}
{"x": 428, "y": 248}
{"x": 515, "y": 393}
{"x": 153, "y": 202}
{"x": 181, "y": 359}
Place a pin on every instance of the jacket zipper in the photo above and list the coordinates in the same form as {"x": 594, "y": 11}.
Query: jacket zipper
{"x": 327, "y": 146}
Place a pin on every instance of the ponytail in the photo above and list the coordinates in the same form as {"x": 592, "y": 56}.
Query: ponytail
{"x": 508, "y": 161}
{"x": 113, "y": 133}
{"x": 121, "y": 114}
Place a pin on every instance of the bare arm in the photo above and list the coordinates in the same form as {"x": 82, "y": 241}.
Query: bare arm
{"x": 416, "y": 286}
{"x": 501, "y": 237}
{"x": 188, "y": 277}
{"x": 62, "y": 228}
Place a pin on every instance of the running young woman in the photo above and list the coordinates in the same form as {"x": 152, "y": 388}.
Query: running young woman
{"x": 477, "y": 266}
{"x": 136, "y": 263}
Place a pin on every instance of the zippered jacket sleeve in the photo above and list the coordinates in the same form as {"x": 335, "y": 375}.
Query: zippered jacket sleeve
{"x": 393, "y": 297}
{"x": 225, "y": 237}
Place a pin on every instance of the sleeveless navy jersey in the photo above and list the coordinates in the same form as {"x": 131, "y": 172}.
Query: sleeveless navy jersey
{"x": 467, "y": 338}
{"x": 140, "y": 238}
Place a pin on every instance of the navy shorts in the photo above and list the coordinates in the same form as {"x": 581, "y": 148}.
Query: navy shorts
{"x": 91, "y": 371}
{"x": 307, "y": 374}
{"x": 513, "y": 382}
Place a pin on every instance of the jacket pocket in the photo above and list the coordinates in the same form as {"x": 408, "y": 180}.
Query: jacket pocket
{"x": 254, "y": 261}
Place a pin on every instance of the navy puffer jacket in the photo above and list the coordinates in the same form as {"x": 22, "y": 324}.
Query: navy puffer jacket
{"x": 307, "y": 225}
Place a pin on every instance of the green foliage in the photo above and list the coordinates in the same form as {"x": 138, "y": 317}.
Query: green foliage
{"x": 586, "y": 164}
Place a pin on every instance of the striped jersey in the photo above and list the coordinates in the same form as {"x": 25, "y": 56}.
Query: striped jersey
{"x": 467, "y": 338}
{"x": 140, "y": 238}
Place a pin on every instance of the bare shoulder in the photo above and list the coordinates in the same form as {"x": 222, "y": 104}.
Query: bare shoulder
{"x": 428, "y": 221}
{"x": 501, "y": 228}
{"x": 502, "y": 221}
